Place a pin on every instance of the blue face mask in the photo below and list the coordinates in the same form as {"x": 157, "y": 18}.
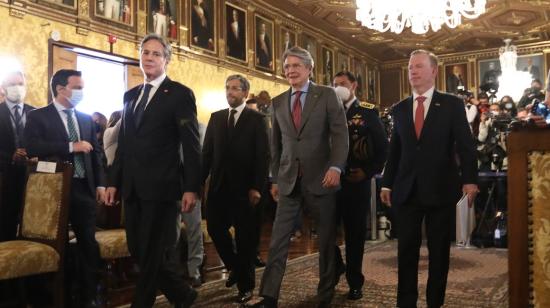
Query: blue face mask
{"x": 76, "y": 97}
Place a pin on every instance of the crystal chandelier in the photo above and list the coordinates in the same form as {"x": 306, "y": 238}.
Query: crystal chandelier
{"x": 419, "y": 15}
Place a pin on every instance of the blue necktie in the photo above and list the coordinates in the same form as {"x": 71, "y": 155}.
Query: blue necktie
{"x": 138, "y": 112}
{"x": 78, "y": 158}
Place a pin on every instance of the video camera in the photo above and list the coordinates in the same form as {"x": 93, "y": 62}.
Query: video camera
{"x": 540, "y": 108}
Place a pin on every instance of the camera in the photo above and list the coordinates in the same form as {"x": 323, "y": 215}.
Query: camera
{"x": 465, "y": 95}
{"x": 541, "y": 109}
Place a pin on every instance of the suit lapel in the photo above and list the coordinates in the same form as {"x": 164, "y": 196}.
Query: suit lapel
{"x": 409, "y": 121}
{"x": 161, "y": 92}
{"x": 311, "y": 99}
{"x": 83, "y": 125}
{"x": 5, "y": 117}
{"x": 59, "y": 126}
{"x": 435, "y": 106}
{"x": 287, "y": 114}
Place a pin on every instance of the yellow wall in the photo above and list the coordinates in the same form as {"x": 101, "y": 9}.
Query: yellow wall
{"x": 27, "y": 40}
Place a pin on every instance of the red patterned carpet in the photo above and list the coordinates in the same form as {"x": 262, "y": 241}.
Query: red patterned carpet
{"x": 478, "y": 278}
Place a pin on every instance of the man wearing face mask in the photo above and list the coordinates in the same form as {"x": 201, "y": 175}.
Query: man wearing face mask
{"x": 61, "y": 133}
{"x": 368, "y": 144}
{"x": 530, "y": 94}
{"x": 13, "y": 117}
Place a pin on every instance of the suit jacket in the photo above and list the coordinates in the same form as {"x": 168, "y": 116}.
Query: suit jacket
{"x": 429, "y": 164}
{"x": 7, "y": 134}
{"x": 46, "y": 138}
{"x": 239, "y": 161}
{"x": 319, "y": 143}
{"x": 147, "y": 159}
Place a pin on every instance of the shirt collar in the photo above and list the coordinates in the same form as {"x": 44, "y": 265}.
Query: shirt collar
{"x": 239, "y": 108}
{"x": 350, "y": 103}
{"x": 11, "y": 105}
{"x": 302, "y": 90}
{"x": 428, "y": 94}
{"x": 60, "y": 107}
{"x": 157, "y": 81}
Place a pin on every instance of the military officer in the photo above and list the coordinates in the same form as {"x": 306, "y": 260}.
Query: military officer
{"x": 368, "y": 145}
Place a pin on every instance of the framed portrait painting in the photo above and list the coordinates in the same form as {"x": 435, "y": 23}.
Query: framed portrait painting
{"x": 235, "y": 32}
{"x": 456, "y": 77}
{"x": 203, "y": 25}
{"x": 162, "y": 18}
{"x": 489, "y": 71}
{"x": 359, "y": 69}
{"x": 310, "y": 44}
{"x": 534, "y": 64}
{"x": 342, "y": 62}
{"x": 117, "y": 12}
{"x": 263, "y": 40}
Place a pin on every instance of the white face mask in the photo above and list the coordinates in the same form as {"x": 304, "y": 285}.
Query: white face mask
{"x": 16, "y": 94}
{"x": 76, "y": 97}
{"x": 343, "y": 93}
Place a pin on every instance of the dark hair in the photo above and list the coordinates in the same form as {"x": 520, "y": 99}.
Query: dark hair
{"x": 537, "y": 81}
{"x": 114, "y": 118}
{"x": 166, "y": 47}
{"x": 251, "y": 101}
{"x": 61, "y": 78}
{"x": 245, "y": 85}
{"x": 347, "y": 74}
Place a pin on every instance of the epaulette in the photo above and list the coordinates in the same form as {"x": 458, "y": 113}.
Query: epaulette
{"x": 367, "y": 105}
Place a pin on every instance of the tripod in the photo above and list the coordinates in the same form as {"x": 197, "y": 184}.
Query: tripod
{"x": 484, "y": 232}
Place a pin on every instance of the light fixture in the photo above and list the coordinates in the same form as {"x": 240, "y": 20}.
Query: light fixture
{"x": 512, "y": 82}
{"x": 419, "y": 15}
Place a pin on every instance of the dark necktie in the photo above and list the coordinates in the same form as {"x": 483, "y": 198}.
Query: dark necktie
{"x": 297, "y": 110}
{"x": 18, "y": 125}
{"x": 231, "y": 122}
{"x": 78, "y": 158}
{"x": 140, "y": 108}
{"x": 419, "y": 116}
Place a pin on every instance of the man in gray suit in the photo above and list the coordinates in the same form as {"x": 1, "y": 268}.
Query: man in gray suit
{"x": 309, "y": 151}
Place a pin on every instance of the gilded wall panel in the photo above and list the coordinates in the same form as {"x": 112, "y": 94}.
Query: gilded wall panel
{"x": 31, "y": 50}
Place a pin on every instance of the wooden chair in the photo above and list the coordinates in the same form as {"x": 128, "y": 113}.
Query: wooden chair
{"x": 529, "y": 218}
{"x": 40, "y": 245}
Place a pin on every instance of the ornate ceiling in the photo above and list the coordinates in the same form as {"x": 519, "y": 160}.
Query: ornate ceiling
{"x": 524, "y": 21}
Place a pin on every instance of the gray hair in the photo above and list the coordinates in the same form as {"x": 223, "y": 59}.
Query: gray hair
{"x": 167, "y": 48}
{"x": 301, "y": 53}
{"x": 431, "y": 55}
{"x": 245, "y": 85}
{"x": 8, "y": 75}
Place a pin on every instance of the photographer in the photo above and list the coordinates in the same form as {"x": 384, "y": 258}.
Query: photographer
{"x": 508, "y": 106}
{"x": 472, "y": 114}
{"x": 532, "y": 93}
{"x": 493, "y": 128}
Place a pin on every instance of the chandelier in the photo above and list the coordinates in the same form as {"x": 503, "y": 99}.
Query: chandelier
{"x": 419, "y": 15}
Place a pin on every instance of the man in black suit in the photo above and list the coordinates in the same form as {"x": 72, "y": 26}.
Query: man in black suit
{"x": 159, "y": 118}
{"x": 59, "y": 132}
{"x": 422, "y": 178}
{"x": 368, "y": 148}
{"x": 13, "y": 155}
{"x": 236, "y": 155}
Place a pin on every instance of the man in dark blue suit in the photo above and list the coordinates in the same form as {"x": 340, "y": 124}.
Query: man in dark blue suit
{"x": 59, "y": 132}
{"x": 423, "y": 179}
{"x": 159, "y": 124}
{"x": 13, "y": 156}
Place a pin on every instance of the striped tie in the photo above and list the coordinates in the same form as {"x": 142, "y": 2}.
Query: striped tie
{"x": 78, "y": 158}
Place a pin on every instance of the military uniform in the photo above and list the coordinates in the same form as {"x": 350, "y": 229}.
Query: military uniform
{"x": 368, "y": 146}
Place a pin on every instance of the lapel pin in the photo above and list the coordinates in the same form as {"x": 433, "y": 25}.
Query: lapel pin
{"x": 165, "y": 91}
{"x": 437, "y": 104}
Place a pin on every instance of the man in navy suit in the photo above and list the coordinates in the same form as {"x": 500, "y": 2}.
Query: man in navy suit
{"x": 423, "y": 180}
{"x": 59, "y": 132}
{"x": 13, "y": 117}
{"x": 159, "y": 123}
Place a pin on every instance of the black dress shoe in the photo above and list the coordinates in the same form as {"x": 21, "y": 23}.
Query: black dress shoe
{"x": 188, "y": 301}
{"x": 266, "y": 302}
{"x": 259, "y": 262}
{"x": 231, "y": 280}
{"x": 355, "y": 294}
{"x": 243, "y": 297}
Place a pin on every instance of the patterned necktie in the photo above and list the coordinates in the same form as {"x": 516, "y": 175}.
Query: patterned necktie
{"x": 231, "y": 122}
{"x": 18, "y": 125}
{"x": 419, "y": 116}
{"x": 78, "y": 158}
{"x": 138, "y": 112}
{"x": 297, "y": 110}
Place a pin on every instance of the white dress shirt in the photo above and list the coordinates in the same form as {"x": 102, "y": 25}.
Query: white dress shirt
{"x": 428, "y": 95}
{"x": 155, "y": 83}
{"x": 239, "y": 110}
{"x": 64, "y": 118}
{"x": 10, "y": 106}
